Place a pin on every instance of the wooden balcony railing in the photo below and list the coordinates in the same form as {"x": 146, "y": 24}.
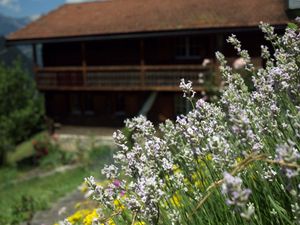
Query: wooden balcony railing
{"x": 160, "y": 78}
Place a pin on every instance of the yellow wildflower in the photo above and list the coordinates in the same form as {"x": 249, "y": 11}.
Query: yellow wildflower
{"x": 88, "y": 220}
{"x": 194, "y": 176}
{"x": 175, "y": 200}
{"x": 83, "y": 188}
{"x": 209, "y": 157}
{"x": 176, "y": 169}
{"x": 118, "y": 205}
{"x": 139, "y": 223}
{"x": 198, "y": 184}
{"x": 110, "y": 222}
{"x": 238, "y": 159}
{"x": 78, "y": 216}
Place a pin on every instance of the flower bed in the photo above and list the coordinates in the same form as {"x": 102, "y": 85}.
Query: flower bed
{"x": 231, "y": 162}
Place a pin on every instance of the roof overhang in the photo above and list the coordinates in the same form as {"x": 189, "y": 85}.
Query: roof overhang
{"x": 136, "y": 35}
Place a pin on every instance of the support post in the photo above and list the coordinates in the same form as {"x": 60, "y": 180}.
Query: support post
{"x": 83, "y": 63}
{"x": 34, "y": 57}
{"x": 142, "y": 62}
{"x": 218, "y": 46}
{"x": 35, "y": 65}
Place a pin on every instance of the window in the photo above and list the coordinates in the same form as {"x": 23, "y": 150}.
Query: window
{"x": 89, "y": 104}
{"x": 188, "y": 48}
{"x": 75, "y": 104}
{"x": 39, "y": 55}
{"x": 82, "y": 104}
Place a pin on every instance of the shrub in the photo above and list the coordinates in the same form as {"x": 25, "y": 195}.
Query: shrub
{"x": 48, "y": 152}
{"x": 232, "y": 162}
{"x": 21, "y": 107}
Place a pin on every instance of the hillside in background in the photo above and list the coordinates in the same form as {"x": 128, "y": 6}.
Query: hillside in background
{"x": 9, "y": 24}
{"x": 9, "y": 54}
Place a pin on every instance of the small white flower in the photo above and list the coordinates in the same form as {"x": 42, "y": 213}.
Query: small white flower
{"x": 239, "y": 63}
{"x": 187, "y": 88}
{"x": 62, "y": 210}
{"x": 206, "y": 62}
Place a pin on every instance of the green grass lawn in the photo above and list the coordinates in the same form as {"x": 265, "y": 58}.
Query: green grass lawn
{"x": 42, "y": 192}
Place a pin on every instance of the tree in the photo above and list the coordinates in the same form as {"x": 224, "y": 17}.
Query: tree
{"x": 21, "y": 107}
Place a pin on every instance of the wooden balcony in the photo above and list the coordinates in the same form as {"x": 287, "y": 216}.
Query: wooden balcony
{"x": 123, "y": 78}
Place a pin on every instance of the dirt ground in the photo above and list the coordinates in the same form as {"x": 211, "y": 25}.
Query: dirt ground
{"x": 94, "y": 131}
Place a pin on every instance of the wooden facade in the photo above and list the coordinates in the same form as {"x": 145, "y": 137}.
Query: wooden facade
{"x": 148, "y": 64}
{"x": 128, "y": 64}
{"x": 100, "y": 62}
{"x": 103, "y": 82}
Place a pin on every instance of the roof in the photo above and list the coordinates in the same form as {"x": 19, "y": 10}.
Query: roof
{"x": 112, "y": 17}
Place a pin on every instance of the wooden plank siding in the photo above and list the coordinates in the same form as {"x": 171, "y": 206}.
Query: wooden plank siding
{"x": 104, "y": 82}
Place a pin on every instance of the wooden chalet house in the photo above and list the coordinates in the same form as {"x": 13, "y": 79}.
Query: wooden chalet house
{"x": 102, "y": 61}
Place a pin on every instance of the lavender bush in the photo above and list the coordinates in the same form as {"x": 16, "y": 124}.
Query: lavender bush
{"x": 232, "y": 162}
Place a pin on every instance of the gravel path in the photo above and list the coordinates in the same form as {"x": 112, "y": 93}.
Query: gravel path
{"x": 72, "y": 138}
{"x": 59, "y": 211}
{"x": 89, "y": 131}
{"x": 75, "y": 142}
{"x": 36, "y": 173}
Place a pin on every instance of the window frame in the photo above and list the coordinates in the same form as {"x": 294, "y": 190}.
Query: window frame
{"x": 187, "y": 49}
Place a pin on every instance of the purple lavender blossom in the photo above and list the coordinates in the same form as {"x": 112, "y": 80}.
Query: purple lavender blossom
{"x": 117, "y": 183}
{"x": 289, "y": 154}
{"x": 232, "y": 187}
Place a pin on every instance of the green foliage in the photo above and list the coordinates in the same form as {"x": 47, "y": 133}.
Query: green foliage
{"x": 98, "y": 157}
{"x": 21, "y": 107}
{"x": 293, "y": 26}
{"x": 48, "y": 152}
{"x": 25, "y": 209}
{"x": 24, "y": 149}
{"x": 56, "y": 157}
{"x": 20, "y": 200}
{"x": 7, "y": 174}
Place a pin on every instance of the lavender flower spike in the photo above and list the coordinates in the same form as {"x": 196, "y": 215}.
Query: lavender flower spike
{"x": 187, "y": 88}
{"x": 232, "y": 187}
